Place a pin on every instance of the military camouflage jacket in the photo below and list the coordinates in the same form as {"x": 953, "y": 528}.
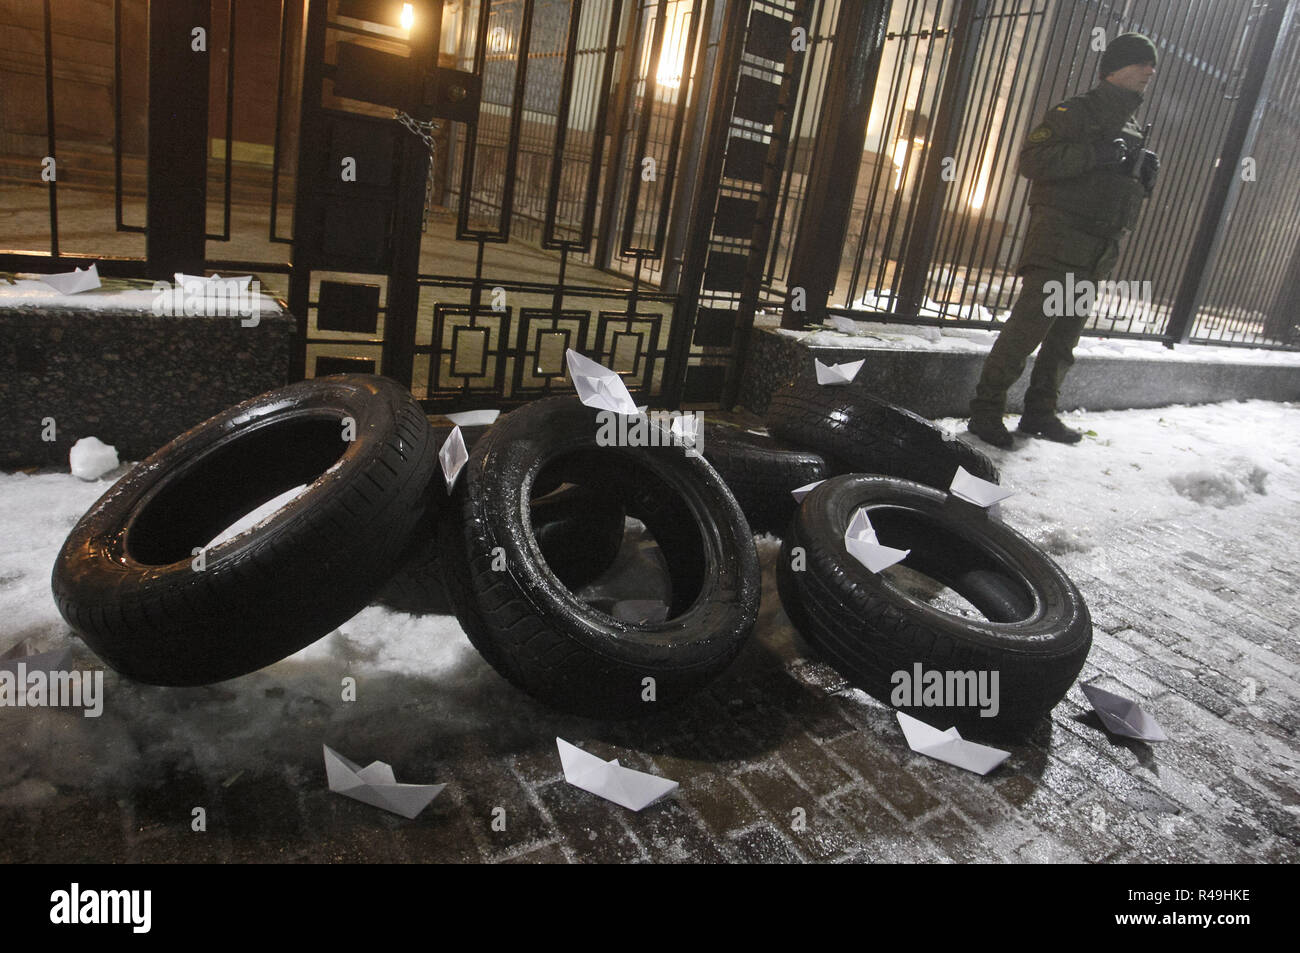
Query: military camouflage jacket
{"x": 1057, "y": 158}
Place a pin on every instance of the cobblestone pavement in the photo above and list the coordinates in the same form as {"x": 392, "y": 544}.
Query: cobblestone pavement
{"x": 779, "y": 761}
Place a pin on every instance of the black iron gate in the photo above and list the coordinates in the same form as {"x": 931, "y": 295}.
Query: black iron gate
{"x": 563, "y": 152}
{"x": 576, "y": 170}
{"x": 564, "y": 137}
{"x": 938, "y": 211}
{"x": 633, "y": 178}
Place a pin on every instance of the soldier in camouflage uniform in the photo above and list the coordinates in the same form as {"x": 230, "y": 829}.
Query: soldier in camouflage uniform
{"x": 1088, "y": 177}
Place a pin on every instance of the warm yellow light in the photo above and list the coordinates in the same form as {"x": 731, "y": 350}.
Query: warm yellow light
{"x": 672, "y": 55}
{"x": 671, "y": 63}
{"x": 899, "y": 157}
{"x": 499, "y": 41}
{"x": 408, "y": 16}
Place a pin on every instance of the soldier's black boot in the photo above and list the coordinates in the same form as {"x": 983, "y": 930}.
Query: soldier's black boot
{"x": 992, "y": 430}
{"x": 1049, "y": 428}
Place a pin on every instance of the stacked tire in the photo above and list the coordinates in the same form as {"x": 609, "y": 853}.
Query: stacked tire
{"x": 1033, "y": 631}
{"x": 540, "y": 511}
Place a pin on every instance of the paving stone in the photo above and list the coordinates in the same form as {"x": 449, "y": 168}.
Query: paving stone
{"x": 545, "y": 854}
{"x": 671, "y": 834}
{"x": 886, "y": 838}
{"x": 722, "y": 805}
{"x": 498, "y": 807}
{"x": 812, "y": 766}
{"x": 958, "y": 840}
{"x": 889, "y": 778}
{"x": 589, "y": 826}
{"x": 764, "y": 845}
{"x": 441, "y": 833}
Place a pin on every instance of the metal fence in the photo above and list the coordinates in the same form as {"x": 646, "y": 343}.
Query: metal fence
{"x": 939, "y": 211}
{"x": 636, "y": 101}
{"x": 1253, "y": 289}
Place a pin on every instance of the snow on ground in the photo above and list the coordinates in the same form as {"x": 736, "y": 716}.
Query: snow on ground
{"x": 870, "y": 334}
{"x": 1231, "y": 466}
{"x": 30, "y": 291}
{"x": 1224, "y": 464}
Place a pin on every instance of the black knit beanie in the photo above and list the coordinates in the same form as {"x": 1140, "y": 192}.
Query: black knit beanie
{"x": 1126, "y": 49}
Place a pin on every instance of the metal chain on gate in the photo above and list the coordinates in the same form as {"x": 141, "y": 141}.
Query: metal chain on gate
{"x": 425, "y": 131}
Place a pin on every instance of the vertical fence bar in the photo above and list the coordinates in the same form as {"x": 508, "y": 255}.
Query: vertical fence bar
{"x": 279, "y": 119}
{"x": 230, "y": 120}
{"x": 1226, "y": 181}
{"x": 726, "y": 68}
{"x": 470, "y": 154}
{"x": 643, "y": 131}
{"x": 562, "y": 126}
{"x": 828, "y": 202}
{"x": 782, "y": 127}
{"x": 516, "y": 121}
{"x": 402, "y": 302}
{"x": 674, "y": 248}
{"x": 49, "y": 131}
{"x": 616, "y": 176}
{"x": 178, "y": 135}
{"x": 786, "y": 188}
{"x": 947, "y": 125}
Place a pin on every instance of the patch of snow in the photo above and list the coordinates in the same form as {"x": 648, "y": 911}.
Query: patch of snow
{"x": 258, "y": 515}
{"x": 1234, "y": 461}
{"x": 1224, "y": 486}
{"x": 876, "y": 334}
{"x": 34, "y": 293}
{"x": 1060, "y": 541}
{"x": 90, "y": 458}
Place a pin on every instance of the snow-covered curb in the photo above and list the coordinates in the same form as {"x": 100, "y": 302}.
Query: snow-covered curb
{"x": 877, "y": 335}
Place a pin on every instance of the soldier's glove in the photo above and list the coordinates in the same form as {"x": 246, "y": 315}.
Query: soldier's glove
{"x": 1110, "y": 155}
{"x": 1148, "y": 166}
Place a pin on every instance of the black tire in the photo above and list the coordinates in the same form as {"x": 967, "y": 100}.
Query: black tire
{"x": 761, "y": 472}
{"x": 577, "y": 530}
{"x": 1036, "y": 636}
{"x": 858, "y": 433}
{"x": 534, "y": 631}
{"x": 124, "y": 578}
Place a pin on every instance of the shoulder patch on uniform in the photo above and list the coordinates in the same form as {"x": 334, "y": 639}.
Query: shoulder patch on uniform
{"x": 1061, "y": 109}
{"x": 1041, "y": 134}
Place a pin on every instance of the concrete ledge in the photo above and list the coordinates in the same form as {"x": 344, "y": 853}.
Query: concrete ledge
{"x": 129, "y": 377}
{"x": 938, "y": 383}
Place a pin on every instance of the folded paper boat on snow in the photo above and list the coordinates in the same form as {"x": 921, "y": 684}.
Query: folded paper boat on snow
{"x": 972, "y": 489}
{"x": 74, "y": 282}
{"x": 375, "y": 785}
{"x": 609, "y": 779}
